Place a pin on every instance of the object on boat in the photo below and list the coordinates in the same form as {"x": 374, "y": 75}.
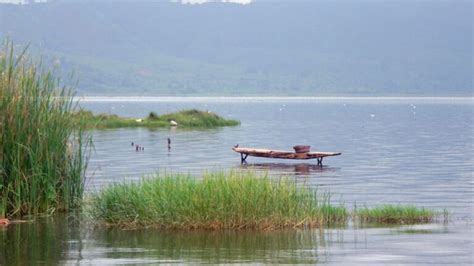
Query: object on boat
{"x": 301, "y": 148}
{"x": 278, "y": 154}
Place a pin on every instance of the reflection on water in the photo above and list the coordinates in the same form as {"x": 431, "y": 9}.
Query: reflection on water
{"x": 44, "y": 241}
{"x": 299, "y": 169}
{"x": 64, "y": 240}
{"x": 216, "y": 247}
{"x": 422, "y": 229}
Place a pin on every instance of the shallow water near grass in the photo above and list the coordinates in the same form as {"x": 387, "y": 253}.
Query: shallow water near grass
{"x": 404, "y": 150}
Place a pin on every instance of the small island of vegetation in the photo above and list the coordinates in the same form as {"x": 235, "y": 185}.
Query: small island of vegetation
{"x": 237, "y": 200}
{"x": 394, "y": 214}
{"x": 186, "y": 118}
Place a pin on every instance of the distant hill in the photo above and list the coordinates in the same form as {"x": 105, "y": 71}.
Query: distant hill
{"x": 264, "y": 48}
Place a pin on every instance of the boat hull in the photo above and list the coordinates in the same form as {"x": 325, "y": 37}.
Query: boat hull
{"x": 278, "y": 154}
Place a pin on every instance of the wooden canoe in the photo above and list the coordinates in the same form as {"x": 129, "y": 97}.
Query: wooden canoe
{"x": 278, "y": 154}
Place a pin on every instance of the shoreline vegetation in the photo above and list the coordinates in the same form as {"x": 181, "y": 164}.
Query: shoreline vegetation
{"x": 233, "y": 201}
{"x": 42, "y": 153}
{"x": 190, "y": 119}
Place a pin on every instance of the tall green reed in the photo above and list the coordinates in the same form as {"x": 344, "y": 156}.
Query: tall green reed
{"x": 42, "y": 153}
{"x": 217, "y": 201}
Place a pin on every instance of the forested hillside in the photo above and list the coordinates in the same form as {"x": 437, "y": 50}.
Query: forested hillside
{"x": 264, "y": 48}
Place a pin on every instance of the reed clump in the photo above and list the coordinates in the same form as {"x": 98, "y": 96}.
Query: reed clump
{"x": 194, "y": 118}
{"x": 42, "y": 161}
{"x": 186, "y": 119}
{"x": 394, "y": 214}
{"x": 217, "y": 201}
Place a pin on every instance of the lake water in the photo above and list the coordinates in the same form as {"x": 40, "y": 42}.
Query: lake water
{"x": 394, "y": 150}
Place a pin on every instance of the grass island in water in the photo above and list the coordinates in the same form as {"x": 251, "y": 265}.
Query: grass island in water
{"x": 232, "y": 201}
{"x": 394, "y": 214}
{"x": 217, "y": 201}
{"x": 187, "y": 119}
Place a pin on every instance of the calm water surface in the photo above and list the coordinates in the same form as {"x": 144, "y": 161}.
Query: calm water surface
{"x": 406, "y": 150}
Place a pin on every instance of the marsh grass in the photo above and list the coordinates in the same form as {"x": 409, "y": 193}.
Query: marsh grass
{"x": 234, "y": 200}
{"x": 217, "y": 201}
{"x": 394, "y": 214}
{"x": 186, "y": 119}
{"x": 42, "y": 152}
{"x": 102, "y": 121}
{"x": 197, "y": 119}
